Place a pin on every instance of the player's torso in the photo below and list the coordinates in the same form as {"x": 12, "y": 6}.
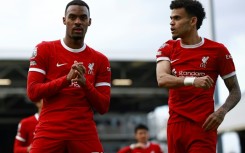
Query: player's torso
{"x": 194, "y": 62}
{"x": 71, "y": 101}
{"x": 61, "y": 60}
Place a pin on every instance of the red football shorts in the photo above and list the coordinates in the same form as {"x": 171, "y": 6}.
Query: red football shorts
{"x": 47, "y": 145}
{"x": 190, "y": 137}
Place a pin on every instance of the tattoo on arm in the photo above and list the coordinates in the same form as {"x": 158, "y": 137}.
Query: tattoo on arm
{"x": 234, "y": 93}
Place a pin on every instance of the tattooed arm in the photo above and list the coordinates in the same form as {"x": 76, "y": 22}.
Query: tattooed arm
{"x": 216, "y": 118}
{"x": 234, "y": 93}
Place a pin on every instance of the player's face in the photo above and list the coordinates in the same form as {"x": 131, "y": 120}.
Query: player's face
{"x": 142, "y": 135}
{"x": 77, "y": 20}
{"x": 181, "y": 23}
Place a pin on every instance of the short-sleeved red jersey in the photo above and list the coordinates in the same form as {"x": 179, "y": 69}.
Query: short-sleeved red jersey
{"x": 67, "y": 111}
{"x": 150, "y": 148}
{"x": 25, "y": 132}
{"x": 206, "y": 58}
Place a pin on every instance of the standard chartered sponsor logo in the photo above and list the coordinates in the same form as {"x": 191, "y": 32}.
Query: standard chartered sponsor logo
{"x": 174, "y": 72}
{"x": 195, "y": 74}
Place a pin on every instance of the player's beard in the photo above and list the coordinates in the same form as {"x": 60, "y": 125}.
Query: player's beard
{"x": 77, "y": 37}
{"x": 175, "y": 37}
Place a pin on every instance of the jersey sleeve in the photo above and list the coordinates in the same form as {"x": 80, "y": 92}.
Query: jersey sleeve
{"x": 164, "y": 52}
{"x": 226, "y": 65}
{"x": 20, "y": 143}
{"x": 104, "y": 73}
{"x": 37, "y": 88}
{"x": 99, "y": 95}
{"x": 39, "y": 59}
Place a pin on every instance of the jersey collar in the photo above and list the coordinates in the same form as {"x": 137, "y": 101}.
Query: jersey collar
{"x": 36, "y": 116}
{"x": 71, "y": 49}
{"x": 193, "y": 46}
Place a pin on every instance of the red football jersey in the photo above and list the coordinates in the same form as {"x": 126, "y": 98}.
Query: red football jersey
{"x": 25, "y": 132}
{"x": 150, "y": 148}
{"x": 205, "y": 58}
{"x": 67, "y": 111}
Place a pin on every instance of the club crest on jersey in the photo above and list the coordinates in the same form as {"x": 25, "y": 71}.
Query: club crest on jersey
{"x": 204, "y": 61}
{"x": 34, "y": 53}
{"x": 91, "y": 68}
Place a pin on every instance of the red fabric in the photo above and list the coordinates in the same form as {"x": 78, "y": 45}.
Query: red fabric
{"x": 48, "y": 145}
{"x": 67, "y": 111}
{"x": 25, "y": 135}
{"x": 190, "y": 137}
{"x": 151, "y": 148}
{"x": 210, "y": 58}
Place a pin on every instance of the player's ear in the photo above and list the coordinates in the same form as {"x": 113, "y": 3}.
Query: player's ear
{"x": 90, "y": 21}
{"x": 64, "y": 20}
{"x": 193, "y": 21}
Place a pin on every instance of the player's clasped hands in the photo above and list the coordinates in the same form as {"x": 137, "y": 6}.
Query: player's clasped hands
{"x": 76, "y": 73}
{"x": 205, "y": 82}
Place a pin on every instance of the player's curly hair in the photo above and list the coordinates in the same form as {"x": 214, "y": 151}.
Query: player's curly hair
{"x": 192, "y": 7}
{"x": 77, "y": 2}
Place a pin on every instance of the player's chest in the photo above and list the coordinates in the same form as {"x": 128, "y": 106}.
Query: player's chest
{"x": 198, "y": 60}
{"x": 60, "y": 64}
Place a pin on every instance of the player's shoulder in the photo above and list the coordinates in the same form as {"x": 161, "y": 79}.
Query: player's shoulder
{"x": 212, "y": 43}
{"x": 97, "y": 53}
{"x": 45, "y": 46}
{"x": 28, "y": 119}
{"x": 154, "y": 144}
{"x": 168, "y": 44}
{"x": 45, "y": 43}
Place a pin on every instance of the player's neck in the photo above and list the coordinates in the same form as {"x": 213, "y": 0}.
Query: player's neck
{"x": 191, "y": 40}
{"x": 75, "y": 44}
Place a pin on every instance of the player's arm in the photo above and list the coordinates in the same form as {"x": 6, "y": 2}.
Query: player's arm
{"x": 166, "y": 80}
{"x": 164, "y": 77}
{"x": 234, "y": 94}
{"x": 37, "y": 85}
{"x": 20, "y": 147}
{"x": 98, "y": 96}
{"x": 37, "y": 88}
{"x": 215, "y": 119}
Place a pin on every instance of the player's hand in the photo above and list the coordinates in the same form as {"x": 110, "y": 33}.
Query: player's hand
{"x": 204, "y": 82}
{"x": 71, "y": 75}
{"x": 80, "y": 71}
{"x": 214, "y": 120}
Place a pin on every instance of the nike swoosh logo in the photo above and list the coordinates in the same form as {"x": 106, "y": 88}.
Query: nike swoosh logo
{"x": 59, "y": 65}
{"x": 174, "y": 61}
